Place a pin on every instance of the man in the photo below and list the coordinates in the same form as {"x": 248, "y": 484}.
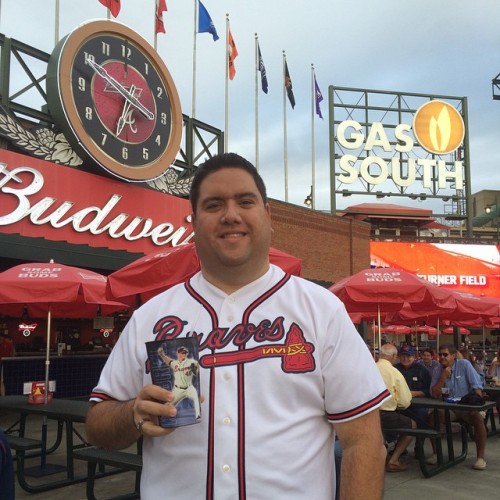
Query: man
{"x": 184, "y": 369}
{"x": 419, "y": 381}
{"x": 390, "y": 411}
{"x": 427, "y": 360}
{"x": 460, "y": 378}
{"x": 274, "y": 369}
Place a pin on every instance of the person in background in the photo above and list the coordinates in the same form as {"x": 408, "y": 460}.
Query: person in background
{"x": 418, "y": 379}
{"x": 427, "y": 359}
{"x": 391, "y": 415}
{"x": 494, "y": 374}
{"x": 460, "y": 378}
{"x": 7, "y": 350}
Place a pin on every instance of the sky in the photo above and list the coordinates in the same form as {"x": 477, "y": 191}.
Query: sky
{"x": 444, "y": 47}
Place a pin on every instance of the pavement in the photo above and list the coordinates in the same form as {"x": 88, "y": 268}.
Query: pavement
{"x": 459, "y": 482}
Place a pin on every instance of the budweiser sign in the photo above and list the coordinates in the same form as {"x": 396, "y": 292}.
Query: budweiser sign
{"x": 40, "y": 199}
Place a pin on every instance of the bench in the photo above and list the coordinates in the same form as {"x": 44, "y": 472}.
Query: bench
{"x": 23, "y": 444}
{"x": 420, "y": 436}
{"x": 121, "y": 460}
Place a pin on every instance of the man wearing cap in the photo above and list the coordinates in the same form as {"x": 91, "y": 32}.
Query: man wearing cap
{"x": 184, "y": 369}
{"x": 418, "y": 379}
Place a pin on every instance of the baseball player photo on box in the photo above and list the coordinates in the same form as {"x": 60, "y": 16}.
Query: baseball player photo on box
{"x": 175, "y": 367}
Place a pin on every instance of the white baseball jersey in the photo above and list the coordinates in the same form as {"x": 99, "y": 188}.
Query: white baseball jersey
{"x": 275, "y": 371}
{"x": 183, "y": 383}
{"x": 183, "y": 376}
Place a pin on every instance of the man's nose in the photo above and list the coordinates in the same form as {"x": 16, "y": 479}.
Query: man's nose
{"x": 232, "y": 213}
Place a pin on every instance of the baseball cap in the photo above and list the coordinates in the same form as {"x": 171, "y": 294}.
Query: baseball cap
{"x": 408, "y": 350}
{"x": 182, "y": 349}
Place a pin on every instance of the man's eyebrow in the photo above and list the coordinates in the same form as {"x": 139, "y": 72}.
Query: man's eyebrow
{"x": 237, "y": 196}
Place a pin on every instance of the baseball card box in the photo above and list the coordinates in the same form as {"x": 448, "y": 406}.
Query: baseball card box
{"x": 175, "y": 367}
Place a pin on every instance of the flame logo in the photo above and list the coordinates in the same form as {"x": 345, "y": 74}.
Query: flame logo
{"x": 439, "y": 127}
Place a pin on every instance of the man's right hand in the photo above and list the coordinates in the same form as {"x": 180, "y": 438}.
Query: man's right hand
{"x": 150, "y": 404}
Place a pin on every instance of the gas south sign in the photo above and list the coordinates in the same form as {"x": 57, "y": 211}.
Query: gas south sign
{"x": 392, "y": 144}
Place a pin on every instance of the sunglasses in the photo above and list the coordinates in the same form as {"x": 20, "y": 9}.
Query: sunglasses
{"x": 445, "y": 354}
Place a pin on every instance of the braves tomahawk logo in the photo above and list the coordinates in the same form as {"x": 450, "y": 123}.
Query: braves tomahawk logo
{"x": 295, "y": 353}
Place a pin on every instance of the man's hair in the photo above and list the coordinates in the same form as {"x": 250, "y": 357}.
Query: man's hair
{"x": 451, "y": 348}
{"x": 218, "y": 162}
{"x": 388, "y": 350}
{"x": 430, "y": 350}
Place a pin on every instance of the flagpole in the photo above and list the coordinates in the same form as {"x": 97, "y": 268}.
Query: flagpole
{"x": 285, "y": 145}
{"x": 256, "y": 102}
{"x": 193, "y": 99}
{"x": 56, "y": 24}
{"x": 226, "y": 89}
{"x": 313, "y": 158}
{"x": 154, "y": 24}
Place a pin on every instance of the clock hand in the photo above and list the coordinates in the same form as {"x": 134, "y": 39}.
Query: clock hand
{"x": 121, "y": 89}
{"x": 123, "y": 118}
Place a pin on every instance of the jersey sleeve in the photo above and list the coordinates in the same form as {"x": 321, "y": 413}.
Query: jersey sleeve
{"x": 353, "y": 384}
{"x": 123, "y": 375}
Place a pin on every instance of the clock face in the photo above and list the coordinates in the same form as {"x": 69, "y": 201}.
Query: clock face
{"x": 114, "y": 99}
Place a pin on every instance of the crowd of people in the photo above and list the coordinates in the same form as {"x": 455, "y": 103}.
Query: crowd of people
{"x": 453, "y": 375}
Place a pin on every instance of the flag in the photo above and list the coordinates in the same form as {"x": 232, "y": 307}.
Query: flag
{"x": 262, "y": 69}
{"x": 161, "y": 7}
{"x": 288, "y": 86}
{"x": 318, "y": 97}
{"x": 205, "y": 23}
{"x": 232, "y": 55}
{"x": 112, "y": 5}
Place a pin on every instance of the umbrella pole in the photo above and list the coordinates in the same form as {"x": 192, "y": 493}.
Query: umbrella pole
{"x": 438, "y": 332}
{"x": 43, "y": 460}
{"x": 379, "y": 328}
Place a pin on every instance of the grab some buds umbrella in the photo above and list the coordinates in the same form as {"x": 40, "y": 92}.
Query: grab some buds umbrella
{"x": 146, "y": 277}
{"x": 49, "y": 290}
{"x": 388, "y": 289}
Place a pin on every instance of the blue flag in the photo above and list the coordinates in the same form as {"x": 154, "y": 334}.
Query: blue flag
{"x": 205, "y": 23}
{"x": 318, "y": 97}
{"x": 262, "y": 69}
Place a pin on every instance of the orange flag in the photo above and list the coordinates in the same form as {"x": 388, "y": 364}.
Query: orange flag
{"x": 233, "y": 54}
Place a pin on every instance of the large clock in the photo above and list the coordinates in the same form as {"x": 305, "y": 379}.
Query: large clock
{"x": 115, "y": 101}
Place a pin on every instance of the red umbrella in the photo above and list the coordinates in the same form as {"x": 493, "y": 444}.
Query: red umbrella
{"x": 146, "y": 277}
{"x": 47, "y": 289}
{"x": 398, "y": 329}
{"x": 430, "y": 330}
{"x": 449, "y": 331}
{"x": 388, "y": 289}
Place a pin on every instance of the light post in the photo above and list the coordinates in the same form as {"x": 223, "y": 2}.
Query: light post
{"x": 309, "y": 201}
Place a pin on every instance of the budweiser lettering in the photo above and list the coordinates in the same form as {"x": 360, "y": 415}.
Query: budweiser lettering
{"x": 23, "y": 183}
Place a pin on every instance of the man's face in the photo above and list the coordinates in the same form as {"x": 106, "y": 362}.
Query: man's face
{"x": 406, "y": 360}
{"x": 181, "y": 355}
{"x": 426, "y": 357}
{"x": 232, "y": 227}
{"x": 446, "y": 358}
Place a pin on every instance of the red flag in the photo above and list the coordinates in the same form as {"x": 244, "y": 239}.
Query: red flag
{"x": 112, "y": 5}
{"x": 233, "y": 54}
{"x": 161, "y": 7}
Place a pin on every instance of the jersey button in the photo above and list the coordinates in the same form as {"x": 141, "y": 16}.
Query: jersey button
{"x": 226, "y": 420}
{"x": 226, "y": 468}
{"x": 230, "y": 319}
{"x": 227, "y": 376}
